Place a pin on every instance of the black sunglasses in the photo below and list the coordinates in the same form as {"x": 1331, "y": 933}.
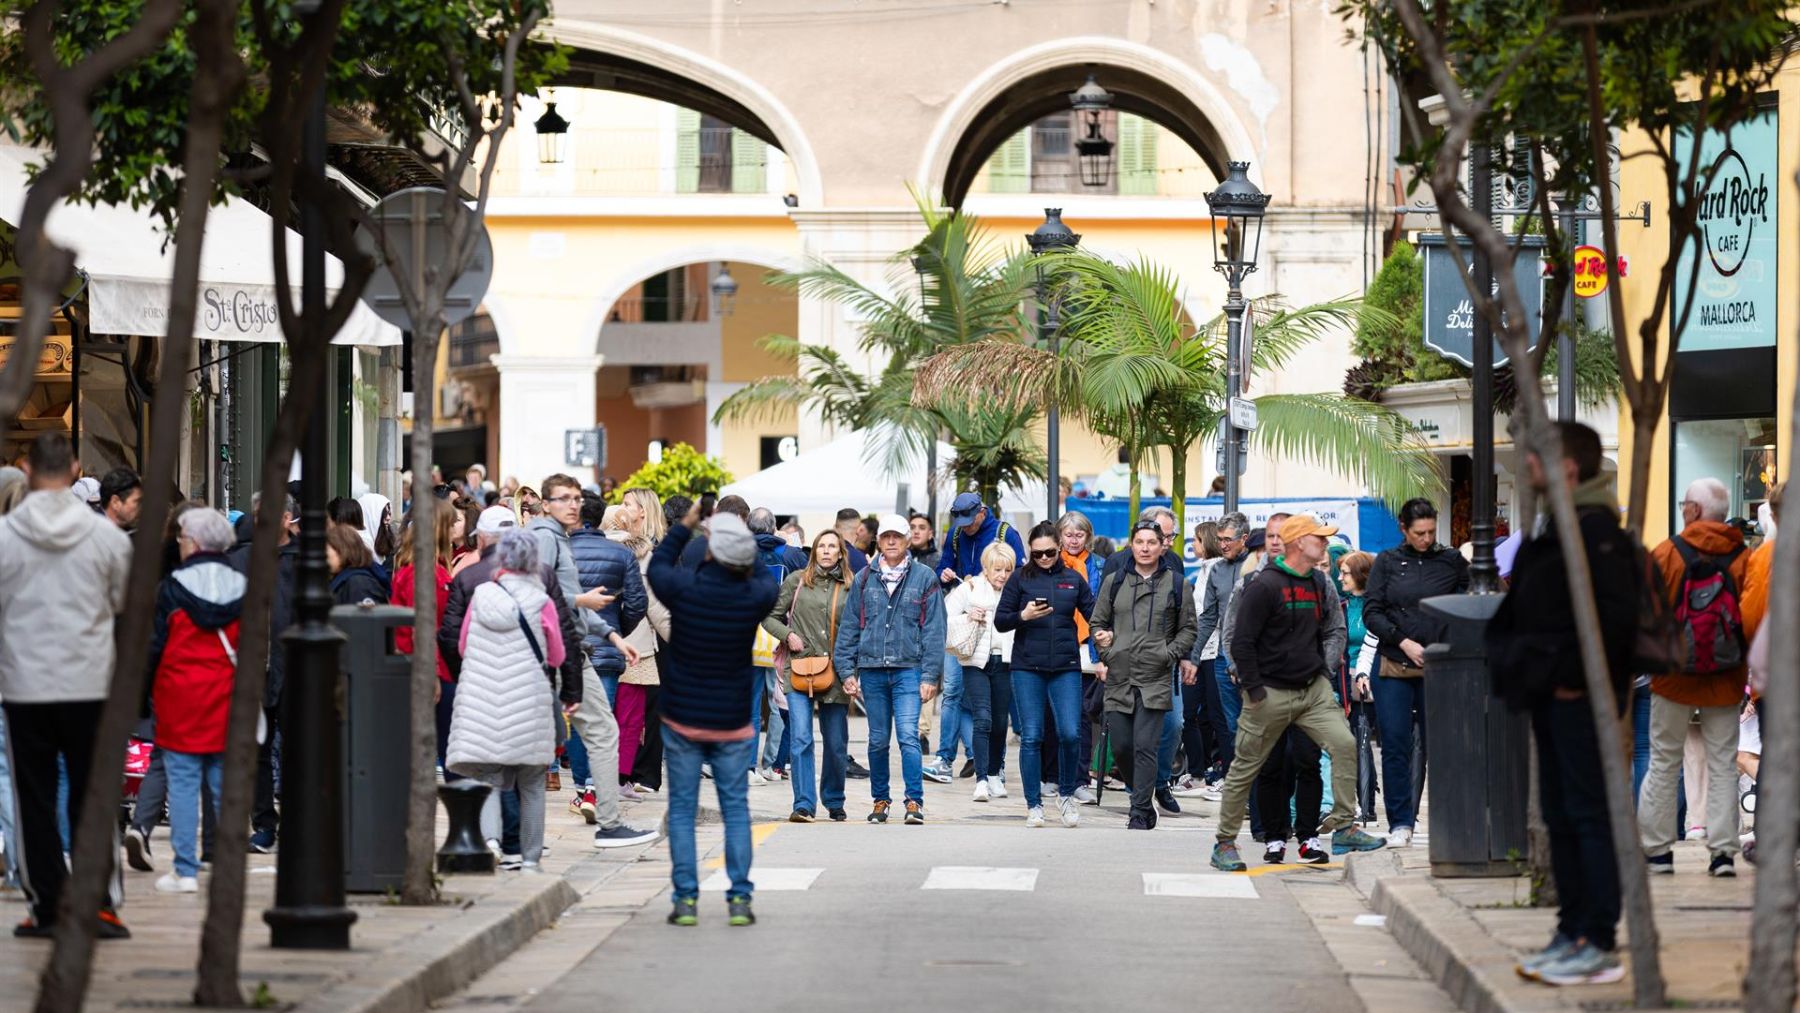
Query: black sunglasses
{"x": 1045, "y": 553}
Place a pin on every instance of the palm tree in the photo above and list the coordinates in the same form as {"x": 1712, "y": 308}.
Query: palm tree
{"x": 1134, "y": 367}
{"x": 996, "y": 448}
{"x": 966, "y": 291}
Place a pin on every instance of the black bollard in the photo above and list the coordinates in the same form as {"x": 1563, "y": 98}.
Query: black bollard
{"x": 464, "y": 850}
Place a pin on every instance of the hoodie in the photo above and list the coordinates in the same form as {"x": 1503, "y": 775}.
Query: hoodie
{"x": 63, "y": 569}
{"x": 193, "y": 653}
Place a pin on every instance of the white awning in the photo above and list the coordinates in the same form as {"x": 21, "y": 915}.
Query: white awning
{"x": 129, "y": 266}
{"x": 842, "y": 474}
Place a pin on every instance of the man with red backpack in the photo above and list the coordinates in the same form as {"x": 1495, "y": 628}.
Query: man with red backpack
{"x": 1703, "y": 572}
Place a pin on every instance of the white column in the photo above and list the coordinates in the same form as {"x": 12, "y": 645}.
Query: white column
{"x": 541, "y": 396}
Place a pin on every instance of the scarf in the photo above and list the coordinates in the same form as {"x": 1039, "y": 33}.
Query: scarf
{"x": 834, "y": 573}
{"x": 1597, "y": 492}
{"x": 1079, "y": 565}
{"x": 891, "y": 577}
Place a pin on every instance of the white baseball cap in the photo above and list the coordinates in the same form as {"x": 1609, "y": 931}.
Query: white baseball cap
{"x": 894, "y": 523}
{"x": 494, "y": 520}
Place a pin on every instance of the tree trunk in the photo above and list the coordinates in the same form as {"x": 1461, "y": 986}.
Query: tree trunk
{"x": 1644, "y": 420}
{"x": 1178, "y": 494}
{"x": 1537, "y": 835}
{"x": 420, "y": 883}
{"x": 1134, "y": 453}
{"x": 1769, "y": 981}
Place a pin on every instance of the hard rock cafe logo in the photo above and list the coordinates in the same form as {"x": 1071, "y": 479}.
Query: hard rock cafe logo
{"x": 1730, "y": 211}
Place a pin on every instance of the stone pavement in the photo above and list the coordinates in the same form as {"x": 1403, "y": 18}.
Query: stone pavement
{"x": 401, "y": 958}
{"x": 1466, "y": 933}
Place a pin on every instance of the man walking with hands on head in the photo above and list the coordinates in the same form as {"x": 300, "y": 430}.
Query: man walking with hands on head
{"x": 890, "y": 651}
{"x": 1281, "y": 643}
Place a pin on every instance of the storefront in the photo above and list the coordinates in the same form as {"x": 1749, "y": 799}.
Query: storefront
{"x": 99, "y": 366}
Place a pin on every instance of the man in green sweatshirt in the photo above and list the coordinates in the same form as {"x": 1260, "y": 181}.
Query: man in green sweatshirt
{"x": 1279, "y": 647}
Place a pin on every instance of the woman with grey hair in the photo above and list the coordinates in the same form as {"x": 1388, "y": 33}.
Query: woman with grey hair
{"x": 503, "y": 726}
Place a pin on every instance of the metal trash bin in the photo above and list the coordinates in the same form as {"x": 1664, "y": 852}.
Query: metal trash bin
{"x": 1479, "y": 765}
{"x": 376, "y": 732}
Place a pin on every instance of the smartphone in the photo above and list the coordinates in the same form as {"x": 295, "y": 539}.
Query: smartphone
{"x": 1041, "y": 602}
{"x": 708, "y": 500}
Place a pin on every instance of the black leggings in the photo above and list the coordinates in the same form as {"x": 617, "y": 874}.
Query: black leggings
{"x": 987, "y": 693}
{"x": 1291, "y": 772}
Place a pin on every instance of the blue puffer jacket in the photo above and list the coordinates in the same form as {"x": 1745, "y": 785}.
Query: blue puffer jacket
{"x": 708, "y": 680}
{"x": 602, "y": 562}
{"x": 901, "y": 630}
{"x": 1050, "y": 643}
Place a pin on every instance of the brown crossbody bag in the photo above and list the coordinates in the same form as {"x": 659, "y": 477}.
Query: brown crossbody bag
{"x": 815, "y": 675}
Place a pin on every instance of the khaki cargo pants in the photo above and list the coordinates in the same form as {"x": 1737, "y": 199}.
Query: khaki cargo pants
{"x": 1316, "y": 712}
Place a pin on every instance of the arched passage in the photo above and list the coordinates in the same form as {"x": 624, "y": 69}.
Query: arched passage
{"x": 1017, "y": 91}
{"x": 614, "y": 60}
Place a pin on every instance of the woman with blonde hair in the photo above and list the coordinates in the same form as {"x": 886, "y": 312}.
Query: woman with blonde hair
{"x": 629, "y": 523}
{"x": 805, "y": 620}
{"x": 986, "y": 656}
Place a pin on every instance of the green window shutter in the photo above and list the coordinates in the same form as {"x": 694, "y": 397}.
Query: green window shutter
{"x": 1137, "y": 155}
{"x": 749, "y": 163}
{"x": 687, "y": 151}
{"x": 1009, "y": 170}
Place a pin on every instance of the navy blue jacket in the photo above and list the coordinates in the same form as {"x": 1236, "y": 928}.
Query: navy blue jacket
{"x": 708, "y": 680}
{"x": 1049, "y": 644}
{"x": 602, "y": 562}
{"x": 773, "y": 552}
{"x": 962, "y": 553}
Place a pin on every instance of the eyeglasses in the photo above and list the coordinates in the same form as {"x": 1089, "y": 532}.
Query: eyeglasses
{"x": 1045, "y": 553}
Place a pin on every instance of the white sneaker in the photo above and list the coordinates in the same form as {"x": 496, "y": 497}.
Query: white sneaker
{"x": 996, "y": 787}
{"x": 1190, "y": 788}
{"x": 1085, "y": 795}
{"x": 1696, "y": 833}
{"x": 1047, "y": 789}
{"x": 757, "y": 780}
{"x": 1035, "y": 818}
{"x": 981, "y": 792}
{"x": 1212, "y": 793}
{"x": 1400, "y": 837}
{"x": 171, "y": 883}
{"x": 1071, "y": 816}
{"x": 493, "y": 844}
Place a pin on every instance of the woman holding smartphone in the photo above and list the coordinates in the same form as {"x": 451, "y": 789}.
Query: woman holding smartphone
{"x": 1038, "y": 606}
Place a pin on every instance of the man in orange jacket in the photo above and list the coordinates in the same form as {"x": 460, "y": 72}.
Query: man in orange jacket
{"x": 1757, "y": 568}
{"x": 1715, "y": 696}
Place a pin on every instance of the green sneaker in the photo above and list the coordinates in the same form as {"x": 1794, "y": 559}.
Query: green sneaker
{"x": 740, "y": 911}
{"x": 1225, "y": 857}
{"x": 1352, "y": 839}
{"x": 687, "y": 912}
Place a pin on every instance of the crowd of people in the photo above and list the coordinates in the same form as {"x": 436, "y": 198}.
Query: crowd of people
{"x": 645, "y": 645}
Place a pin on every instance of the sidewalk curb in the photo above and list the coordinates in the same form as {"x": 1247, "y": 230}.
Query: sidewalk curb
{"x": 1474, "y": 969}
{"x": 427, "y": 967}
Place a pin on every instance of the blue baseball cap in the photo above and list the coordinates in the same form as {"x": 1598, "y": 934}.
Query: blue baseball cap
{"x": 965, "y": 508}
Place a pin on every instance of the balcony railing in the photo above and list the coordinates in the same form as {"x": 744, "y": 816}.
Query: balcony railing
{"x": 647, "y": 161}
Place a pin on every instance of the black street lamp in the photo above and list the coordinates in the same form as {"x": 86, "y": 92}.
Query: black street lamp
{"x": 931, "y": 462}
{"x": 553, "y": 135}
{"x": 1094, "y": 151}
{"x": 724, "y": 291}
{"x": 1050, "y": 237}
{"x": 309, "y": 911}
{"x": 1242, "y": 205}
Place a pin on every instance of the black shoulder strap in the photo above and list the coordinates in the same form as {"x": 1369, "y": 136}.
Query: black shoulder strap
{"x": 525, "y": 628}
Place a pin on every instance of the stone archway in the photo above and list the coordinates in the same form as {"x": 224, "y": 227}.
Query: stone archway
{"x": 1036, "y": 81}
{"x": 614, "y": 60}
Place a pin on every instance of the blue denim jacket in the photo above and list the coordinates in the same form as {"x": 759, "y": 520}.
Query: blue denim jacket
{"x": 902, "y": 630}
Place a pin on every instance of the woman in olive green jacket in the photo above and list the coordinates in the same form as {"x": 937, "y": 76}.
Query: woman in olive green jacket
{"x": 805, "y": 621}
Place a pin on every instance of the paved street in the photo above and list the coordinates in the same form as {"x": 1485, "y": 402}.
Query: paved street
{"x": 973, "y": 908}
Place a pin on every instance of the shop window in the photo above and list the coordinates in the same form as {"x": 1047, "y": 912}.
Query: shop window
{"x": 1738, "y": 452}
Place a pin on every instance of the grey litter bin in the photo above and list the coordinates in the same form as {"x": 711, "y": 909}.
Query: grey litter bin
{"x": 1478, "y": 768}
{"x": 378, "y": 681}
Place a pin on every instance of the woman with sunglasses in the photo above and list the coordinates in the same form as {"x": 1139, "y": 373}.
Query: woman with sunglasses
{"x": 1039, "y": 606}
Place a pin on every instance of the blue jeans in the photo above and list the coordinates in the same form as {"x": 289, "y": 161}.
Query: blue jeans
{"x": 730, "y": 766}
{"x": 1640, "y": 739}
{"x": 1060, "y": 694}
{"x": 609, "y": 681}
{"x": 1230, "y": 706}
{"x": 6, "y": 812}
{"x": 1396, "y": 701}
{"x": 770, "y": 753}
{"x": 953, "y": 722}
{"x": 891, "y": 697}
{"x": 1171, "y": 738}
{"x": 576, "y": 751}
{"x": 185, "y": 771}
{"x": 834, "y": 728}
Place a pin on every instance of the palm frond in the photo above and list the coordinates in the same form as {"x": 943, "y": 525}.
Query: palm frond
{"x": 1004, "y": 372}
{"x": 764, "y": 400}
{"x": 1355, "y": 438}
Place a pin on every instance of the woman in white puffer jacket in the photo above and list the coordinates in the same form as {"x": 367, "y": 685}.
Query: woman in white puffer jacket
{"x": 503, "y": 726}
{"x": 986, "y": 656}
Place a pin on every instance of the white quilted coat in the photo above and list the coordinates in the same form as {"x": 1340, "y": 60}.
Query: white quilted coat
{"x": 503, "y": 711}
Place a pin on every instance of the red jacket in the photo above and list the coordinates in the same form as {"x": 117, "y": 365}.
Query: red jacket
{"x": 403, "y": 595}
{"x": 197, "y": 609}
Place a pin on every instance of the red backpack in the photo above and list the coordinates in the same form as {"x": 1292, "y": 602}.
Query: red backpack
{"x": 1707, "y": 615}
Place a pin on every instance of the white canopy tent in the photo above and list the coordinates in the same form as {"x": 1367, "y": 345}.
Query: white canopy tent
{"x": 843, "y": 473}
{"x": 128, "y": 265}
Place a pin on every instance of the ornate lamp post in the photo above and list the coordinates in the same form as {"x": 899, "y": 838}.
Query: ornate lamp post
{"x": 1094, "y": 151}
{"x": 553, "y": 135}
{"x": 1241, "y": 204}
{"x": 1049, "y": 237}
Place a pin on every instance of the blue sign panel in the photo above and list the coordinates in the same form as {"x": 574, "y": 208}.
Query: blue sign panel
{"x": 1734, "y": 294}
{"x": 1450, "y": 313}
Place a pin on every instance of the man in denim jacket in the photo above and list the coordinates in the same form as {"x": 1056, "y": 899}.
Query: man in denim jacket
{"x": 890, "y": 654}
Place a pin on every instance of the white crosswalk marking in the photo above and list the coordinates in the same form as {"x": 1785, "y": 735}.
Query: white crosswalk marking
{"x": 979, "y": 877}
{"x": 1199, "y": 884}
{"x": 765, "y": 880}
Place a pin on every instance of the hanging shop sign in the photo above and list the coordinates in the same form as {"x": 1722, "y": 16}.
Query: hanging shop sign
{"x": 1450, "y": 313}
{"x": 1591, "y": 271}
{"x": 1734, "y": 293}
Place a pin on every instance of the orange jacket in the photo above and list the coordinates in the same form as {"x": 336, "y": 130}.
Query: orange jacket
{"x": 1721, "y": 689}
{"x": 1755, "y": 596}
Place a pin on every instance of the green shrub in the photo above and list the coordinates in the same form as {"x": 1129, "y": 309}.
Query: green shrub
{"x": 683, "y": 471}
